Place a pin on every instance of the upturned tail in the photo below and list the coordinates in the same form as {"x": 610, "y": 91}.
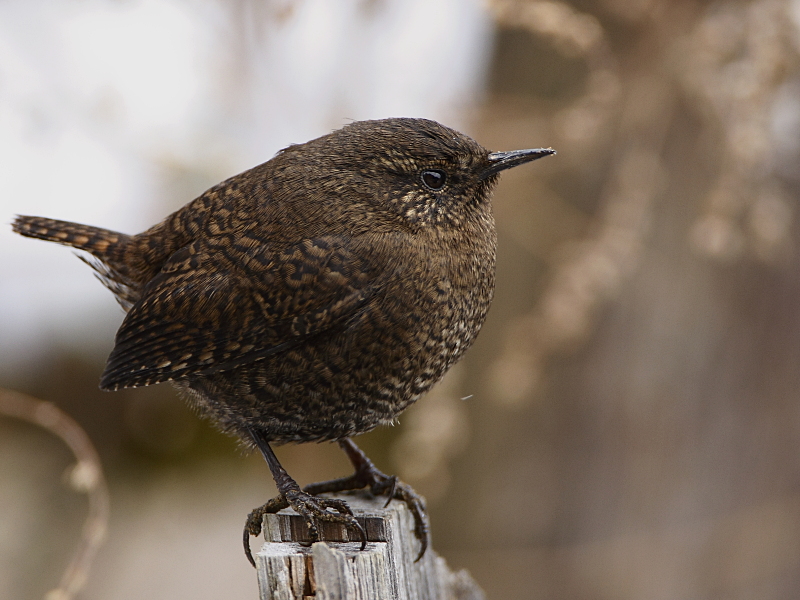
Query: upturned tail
{"x": 106, "y": 245}
{"x": 103, "y": 243}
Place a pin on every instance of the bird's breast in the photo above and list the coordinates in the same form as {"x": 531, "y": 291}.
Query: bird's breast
{"x": 451, "y": 290}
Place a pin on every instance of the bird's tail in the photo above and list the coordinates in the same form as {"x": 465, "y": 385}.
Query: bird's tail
{"x": 103, "y": 243}
{"x": 108, "y": 247}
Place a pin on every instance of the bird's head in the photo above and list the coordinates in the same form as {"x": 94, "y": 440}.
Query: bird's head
{"x": 422, "y": 171}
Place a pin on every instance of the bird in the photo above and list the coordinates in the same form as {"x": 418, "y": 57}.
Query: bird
{"x": 311, "y": 298}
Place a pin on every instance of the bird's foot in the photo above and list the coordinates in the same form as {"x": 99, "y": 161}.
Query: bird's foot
{"x": 367, "y": 475}
{"x": 311, "y": 508}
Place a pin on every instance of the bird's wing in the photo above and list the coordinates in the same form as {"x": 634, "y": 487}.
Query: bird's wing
{"x": 211, "y": 309}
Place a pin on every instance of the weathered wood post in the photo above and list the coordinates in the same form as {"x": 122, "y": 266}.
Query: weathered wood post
{"x": 338, "y": 570}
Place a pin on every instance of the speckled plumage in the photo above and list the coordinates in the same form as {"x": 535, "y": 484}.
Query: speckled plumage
{"x": 314, "y": 296}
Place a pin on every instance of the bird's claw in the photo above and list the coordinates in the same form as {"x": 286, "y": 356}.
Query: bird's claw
{"x": 311, "y": 508}
{"x": 397, "y": 490}
{"x": 255, "y": 520}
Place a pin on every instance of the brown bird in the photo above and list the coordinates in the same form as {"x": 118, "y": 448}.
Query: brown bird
{"x": 312, "y": 297}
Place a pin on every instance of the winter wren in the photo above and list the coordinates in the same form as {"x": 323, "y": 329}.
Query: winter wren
{"x": 312, "y": 297}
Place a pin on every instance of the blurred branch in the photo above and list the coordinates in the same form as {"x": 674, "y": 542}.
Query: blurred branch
{"x": 578, "y": 35}
{"x": 735, "y": 63}
{"x": 85, "y": 476}
{"x": 590, "y": 272}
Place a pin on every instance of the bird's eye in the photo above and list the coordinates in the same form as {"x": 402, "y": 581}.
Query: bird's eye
{"x": 433, "y": 179}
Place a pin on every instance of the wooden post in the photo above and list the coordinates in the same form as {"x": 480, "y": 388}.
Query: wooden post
{"x": 337, "y": 570}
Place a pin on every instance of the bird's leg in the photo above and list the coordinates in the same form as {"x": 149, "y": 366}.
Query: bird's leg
{"x": 310, "y": 508}
{"x": 367, "y": 475}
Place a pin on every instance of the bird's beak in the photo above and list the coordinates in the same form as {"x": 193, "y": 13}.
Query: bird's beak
{"x": 499, "y": 161}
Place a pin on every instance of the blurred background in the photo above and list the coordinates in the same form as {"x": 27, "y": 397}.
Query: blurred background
{"x": 627, "y": 425}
